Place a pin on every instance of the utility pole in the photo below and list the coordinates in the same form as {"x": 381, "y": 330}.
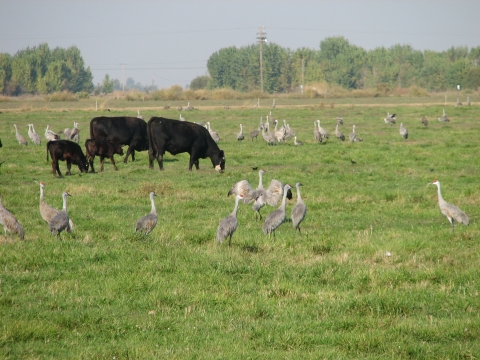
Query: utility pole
{"x": 261, "y": 38}
{"x": 123, "y": 76}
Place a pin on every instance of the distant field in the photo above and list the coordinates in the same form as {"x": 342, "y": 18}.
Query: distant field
{"x": 375, "y": 274}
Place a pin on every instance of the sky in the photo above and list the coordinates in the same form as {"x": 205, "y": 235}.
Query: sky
{"x": 168, "y": 42}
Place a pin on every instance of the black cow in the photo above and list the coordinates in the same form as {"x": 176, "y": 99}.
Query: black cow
{"x": 121, "y": 130}
{"x": 102, "y": 148}
{"x": 177, "y": 137}
{"x": 69, "y": 151}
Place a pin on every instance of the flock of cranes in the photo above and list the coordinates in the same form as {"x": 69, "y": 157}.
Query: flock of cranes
{"x": 69, "y": 134}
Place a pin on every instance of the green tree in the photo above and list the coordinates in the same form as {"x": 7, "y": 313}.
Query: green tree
{"x": 107, "y": 84}
{"x": 200, "y": 82}
{"x": 5, "y": 71}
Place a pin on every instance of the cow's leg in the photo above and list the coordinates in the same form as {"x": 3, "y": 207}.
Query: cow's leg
{"x": 129, "y": 151}
{"x": 56, "y": 169}
{"x": 90, "y": 161}
{"x": 196, "y": 164}
{"x": 102, "y": 161}
{"x": 113, "y": 162}
{"x": 150, "y": 159}
{"x": 69, "y": 166}
{"x": 160, "y": 160}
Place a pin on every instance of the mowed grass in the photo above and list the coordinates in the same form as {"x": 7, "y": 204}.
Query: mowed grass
{"x": 376, "y": 272}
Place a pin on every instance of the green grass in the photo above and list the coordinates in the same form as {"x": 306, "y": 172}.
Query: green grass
{"x": 104, "y": 292}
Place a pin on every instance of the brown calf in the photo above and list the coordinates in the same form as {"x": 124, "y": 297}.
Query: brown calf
{"x": 69, "y": 151}
{"x": 104, "y": 149}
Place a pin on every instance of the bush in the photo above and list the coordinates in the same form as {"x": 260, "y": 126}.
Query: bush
{"x": 135, "y": 96}
{"x": 82, "y": 95}
{"x": 416, "y": 91}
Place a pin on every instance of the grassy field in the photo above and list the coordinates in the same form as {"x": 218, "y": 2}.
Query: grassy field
{"x": 376, "y": 273}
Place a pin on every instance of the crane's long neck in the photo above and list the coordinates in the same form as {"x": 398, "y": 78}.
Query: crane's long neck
{"x": 299, "y": 197}
{"x": 64, "y": 203}
{"x": 284, "y": 201}
{"x": 235, "y": 209}
{"x": 154, "y": 209}
{"x": 42, "y": 193}
{"x": 440, "y": 198}
{"x": 260, "y": 182}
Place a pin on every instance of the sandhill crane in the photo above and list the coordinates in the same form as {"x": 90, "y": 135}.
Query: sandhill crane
{"x": 213, "y": 134}
{"x": 257, "y": 104}
{"x": 458, "y": 102}
{"x": 288, "y": 131}
{"x": 339, "y": 120}
{"x": 276, "y": 218}
{"x": 51, "y": 135}
{"x": 267, "y": 135}
{"x": 296, "y": 142}
{"x": 444, "y": 117}
{"x": 390, "y": 119}
{"x": 279, "y": 134}
{"x": 182, "y": 118}
{"x": 339, "y": 134}
{"x": 424, "y": 121}
{"x": 270, "y": 196}
{"x": 240, "y": 135}
{"x": 61, "y": 221}
{"x": 353, "y": 136}
{"x": 322, "y": 131}
{"x": 316, "y": 133}
{"x": 10, "y": 223}
{"x": 21, "y": 140}
{"x": 66, "y": 133}
{"x": 48, "y": 212}
{"x": 227, "y": 226}
{"x": 299, "y": 211}
{"x": 188, "y": 107}
{"x": 33, "y": 135}
{"x": 273, "y": 105}
{"x": 244, "y": 188}
{"x": 75, "y": 134}
{"x": 138, "y": 115}
{"x": 452, "y": 212}
{"x": 254, "y": 134}
{"x": 403, "y": 131}
{"x": 180, "y": 108}
{"x": 148, "y": 222}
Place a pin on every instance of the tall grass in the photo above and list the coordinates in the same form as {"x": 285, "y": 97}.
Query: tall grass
{"x": 376, "y": 274}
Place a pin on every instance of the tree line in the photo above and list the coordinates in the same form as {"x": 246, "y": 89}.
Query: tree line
{"x": 42, "y": 70}
{"x": 337, "y": 62}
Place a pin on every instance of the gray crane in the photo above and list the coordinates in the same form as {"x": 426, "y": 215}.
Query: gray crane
{"x": 10, "y": 223}
{"x": 452, "y": 212}
{"x": 424, "y": 121}
{"x": 33, "y": 135}
{"x": 66, "y": 133}
{"x": 403, "y": 131}
{"x": 61, "y": 221}
{"x": 49, "y": 212}
{"x": 75, "y": 134}
{"x": 213, "y": 134}
{"x": 240, "y": 135}
{"x": 458, "y": 103}
{"x": 299, "y": 211}
{"x": 316, "y": 133}
{"x": 267, "y": 135}
{"x": 182, "y": 118}
{"x": 138, "y": 114}
{"x": 353, "y": 136}
{"x": 390, "y": 119}
{"x": 21, "y": 140}
{"x": 322, "y": 131}
{"x": 51, "y": 135}
{"x": 444, "y": 117}
{"x": 227, "y": 226}
{"x": 296, "y": 142}
{"x": 148, "y": 222}
{"x": 270, "y": 196}
{"x": 276, "y": 218}
{"x": 339, "y": 120}
{"x": 339, "y": 134}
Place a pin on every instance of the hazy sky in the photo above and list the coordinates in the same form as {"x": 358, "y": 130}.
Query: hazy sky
{"x": 169, "y": 42}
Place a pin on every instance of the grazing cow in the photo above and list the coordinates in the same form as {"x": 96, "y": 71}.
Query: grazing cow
{"x": 121, "y": 130}
{"x": 68, "y": 151}
{"x": 177, "y": 137}
{"x": 102, "y": 148}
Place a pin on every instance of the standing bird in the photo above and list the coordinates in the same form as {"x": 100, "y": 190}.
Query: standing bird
{"x": 48, "y": 212}
{"x": 297, "y": 143}
{"x": 33, "y": 135}
{"x": 339, "y": 134}
{"x": 444, "y": 117}
{"x": 299, "y": 211}
{"x": 182, "y": 118}
{"x": 268, "y": 135}
{"x": 276, "y": 218}
{"x": 61, "y": 221}
{"x": 273, "y": 105}
{"x": 240, "y": 135}
{"x": 51, "y": 135}
{"x": 21, "y": 140}
{"x": 458, "y": 102}
{"x": 227, "y": 226}
{"x": 403, "y": 131}
{"x": 424, "y": 121}
{"x": 353, "y": 136}
{"x": 339, "y": 120}
{"x": 10, "y": 223}
{"x": 270, "y": 196}
{"x": 322, "y": 131}
{"x": 213, "y": 134}
{"x": 390, "y": 119}
{"x": 75, "y": 134}
{"x": 147, "y": 223}
{"x": 316, "y": 133}
{"x": 138, "y": 115}
{"x": 452, "y": 212}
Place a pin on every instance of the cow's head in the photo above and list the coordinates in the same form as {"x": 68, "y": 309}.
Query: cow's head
{"x": 118, "y": 149}
{"x": 219, "y": 162}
